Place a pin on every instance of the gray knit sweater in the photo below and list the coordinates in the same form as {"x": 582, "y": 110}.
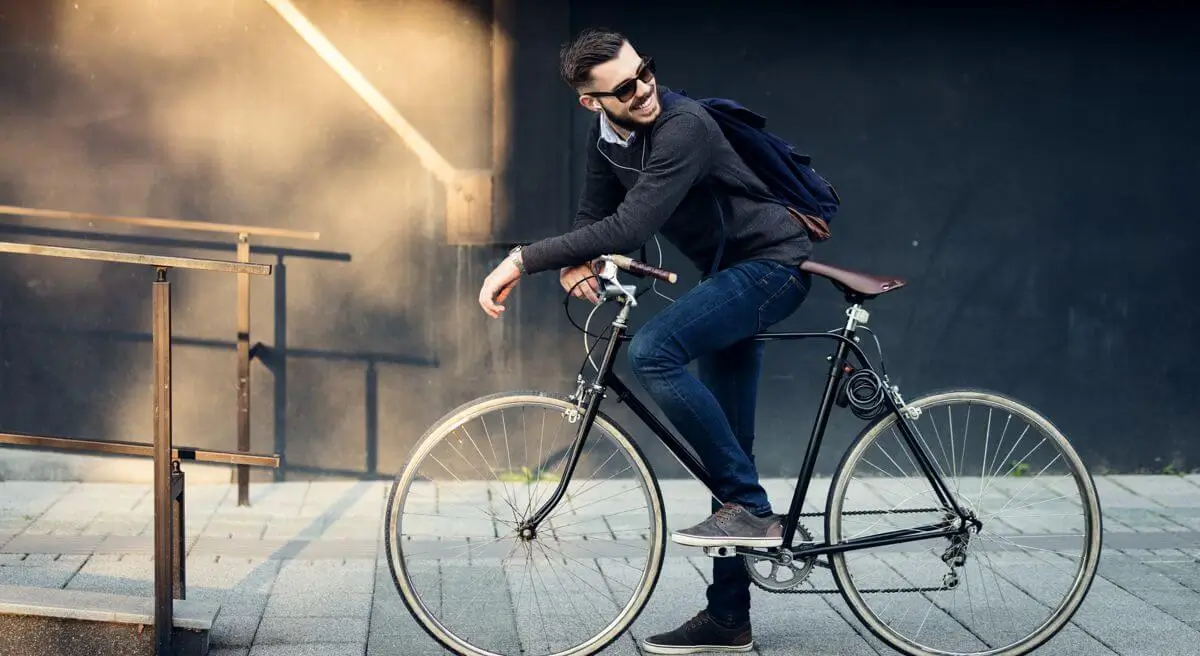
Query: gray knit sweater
{"x": 672, "y": 179}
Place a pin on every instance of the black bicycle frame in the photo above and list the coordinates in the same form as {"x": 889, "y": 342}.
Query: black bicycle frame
{"x": 606, "y": 379}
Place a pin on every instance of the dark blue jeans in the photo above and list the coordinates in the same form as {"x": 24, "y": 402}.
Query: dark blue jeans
{"x": 712, "y": 324}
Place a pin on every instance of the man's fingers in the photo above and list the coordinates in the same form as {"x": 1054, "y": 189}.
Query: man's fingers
{"x": 504, "y": 292}
{"x": 490, "y": 306}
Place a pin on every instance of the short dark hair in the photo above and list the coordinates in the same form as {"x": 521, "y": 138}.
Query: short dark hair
{"x": 590, "y": 48}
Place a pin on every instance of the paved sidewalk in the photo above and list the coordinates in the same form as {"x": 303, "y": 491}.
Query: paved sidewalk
{"x": 303, "y": 570}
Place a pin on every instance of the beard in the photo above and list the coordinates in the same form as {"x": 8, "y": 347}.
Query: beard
{"x": 628, "y": 122}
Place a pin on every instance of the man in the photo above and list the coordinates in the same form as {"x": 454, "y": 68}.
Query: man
{"x": 657, "y": 162}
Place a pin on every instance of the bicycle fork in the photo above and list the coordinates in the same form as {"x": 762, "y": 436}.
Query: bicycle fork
{"x": 590, "y": 396}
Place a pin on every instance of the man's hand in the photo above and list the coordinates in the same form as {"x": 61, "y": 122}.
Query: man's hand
{"x": 569, "y": 278}
{"x": 498, "y": 285}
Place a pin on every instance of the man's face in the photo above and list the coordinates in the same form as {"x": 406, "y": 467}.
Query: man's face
{"x": 636, "y": 104}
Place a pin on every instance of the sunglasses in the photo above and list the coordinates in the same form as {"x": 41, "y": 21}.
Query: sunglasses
{"x": 625, "y": 90}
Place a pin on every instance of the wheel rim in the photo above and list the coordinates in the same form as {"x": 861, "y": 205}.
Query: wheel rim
{"x": 481, "y": 585}
{"x": 1023, "y": 575}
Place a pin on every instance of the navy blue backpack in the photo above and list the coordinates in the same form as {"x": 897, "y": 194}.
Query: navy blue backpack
{"x": 788, "y": 175}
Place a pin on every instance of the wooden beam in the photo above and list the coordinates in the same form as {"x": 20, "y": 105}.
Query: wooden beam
{"x": 136, "y": 258}
{"x": 151, "y": 222}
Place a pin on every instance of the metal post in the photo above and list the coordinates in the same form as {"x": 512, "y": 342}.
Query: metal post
{"x": 243, "y": 369}
{"x": 178, "y": 534}
{"x": 164, "y": 609}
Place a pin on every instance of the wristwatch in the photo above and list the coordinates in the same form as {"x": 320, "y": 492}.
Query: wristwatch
{"x": 516, "y": 251}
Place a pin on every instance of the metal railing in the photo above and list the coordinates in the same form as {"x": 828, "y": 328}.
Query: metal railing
{"x": 244, "y": 351}
{"x": 170, "y": 555}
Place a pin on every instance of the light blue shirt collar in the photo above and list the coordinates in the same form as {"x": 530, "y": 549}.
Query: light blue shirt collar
{"x": 610, "y": 135}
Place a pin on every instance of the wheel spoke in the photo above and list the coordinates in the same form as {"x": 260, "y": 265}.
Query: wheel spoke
{"x": 972, "y": 595}
{"x": 457, "y": 538}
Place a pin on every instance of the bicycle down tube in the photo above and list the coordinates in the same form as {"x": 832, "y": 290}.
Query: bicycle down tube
{"x": 607, "y": 380}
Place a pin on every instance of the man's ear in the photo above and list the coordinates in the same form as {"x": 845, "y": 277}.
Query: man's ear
{"x": 589, "y": 103}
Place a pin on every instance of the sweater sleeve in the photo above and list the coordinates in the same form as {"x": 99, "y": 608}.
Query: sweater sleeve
{"x": 680, "y": 157}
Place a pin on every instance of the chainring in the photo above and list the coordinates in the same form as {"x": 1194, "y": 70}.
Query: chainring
{"x": 796, "y": 571}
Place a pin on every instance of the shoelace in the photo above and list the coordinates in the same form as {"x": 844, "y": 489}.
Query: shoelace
{"x": 727, "y": 511}
{"x": 697, "y": 622}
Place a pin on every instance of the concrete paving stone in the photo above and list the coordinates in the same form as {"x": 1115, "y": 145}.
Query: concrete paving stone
{"x": 41, "y": 570}
{"x": 1129, "y": 572}
{"x": 807, "y": 624}
{"x": 222, "y": 527}
{"x": 353, "y": 527}
{"x": 684, "y": 490}
{"x": 1117, "y": 496}
{"x": 126, "y": 544}
{"x": 359, "y": 499}
{"x": 275, "y": 630}
{"x": 1186, "y": 517}
{"x": 1104, "y": 614}
{"x": 236, "y": 624}
{"x": 57, "y": 527}
{"x": 309, "y": 649}
{"x": 127, "y": 575}
{"x": 276, "y": 499}
{"x": 221, "y": 579}
{"x": 318, "y": 604}
{"x": 1140, "y": 521}
{"x": 14, "y": 524}
{"x": 71, "y": 561}
{"x": 388, "y": 612}
{"x": 229, "y": 651}
{"x": 1167, "y": 491}
{"x": 464, "y": 590}
{"x": 288, "y": 528}
{"x": 391, "y": 644}
{"x": 327, "y": 576}
{"x": 678, "y": 595}
{"x": 286, "y": 549}
{"x": 95, "y": 498}
{"x": 110, "y": 526}
{"x": 1184, "y": 572}
{"x": 33, "y": 496}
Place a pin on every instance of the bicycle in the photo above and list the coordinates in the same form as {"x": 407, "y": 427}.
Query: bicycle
{"x": 875, "y": 527}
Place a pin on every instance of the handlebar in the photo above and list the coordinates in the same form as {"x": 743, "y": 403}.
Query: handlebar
{"x": 641, "y": 269}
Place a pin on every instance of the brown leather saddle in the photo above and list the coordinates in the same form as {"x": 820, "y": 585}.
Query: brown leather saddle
{"x": 855, "y": 285}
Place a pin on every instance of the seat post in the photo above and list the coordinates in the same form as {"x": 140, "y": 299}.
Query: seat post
{"x": 856, "y": 314}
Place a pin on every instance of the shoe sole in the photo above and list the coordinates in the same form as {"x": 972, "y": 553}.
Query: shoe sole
{"x": 693, "y": 649}
{"x": 697, "y": 541}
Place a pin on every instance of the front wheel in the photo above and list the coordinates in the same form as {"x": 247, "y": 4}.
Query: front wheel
{"x": 1013, "y": 579}
{"x": 476, "y": 579}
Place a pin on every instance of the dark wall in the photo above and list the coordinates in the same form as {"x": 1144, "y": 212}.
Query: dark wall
{"x": 1026, "y": 170}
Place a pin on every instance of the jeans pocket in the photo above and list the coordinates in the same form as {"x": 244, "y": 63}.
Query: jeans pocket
{"x": 785, "y": 295}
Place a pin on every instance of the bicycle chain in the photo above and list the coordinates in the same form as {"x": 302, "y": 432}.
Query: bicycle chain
{"x": 827, "y": 566}
{"x": 836, "y": 591}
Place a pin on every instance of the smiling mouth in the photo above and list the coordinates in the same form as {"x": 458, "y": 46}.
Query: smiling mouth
{"x": 643, "y": 102}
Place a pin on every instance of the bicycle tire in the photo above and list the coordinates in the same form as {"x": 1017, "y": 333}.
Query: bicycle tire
{"x": 1083, "y": 480}
{"x": 657, "y": 542}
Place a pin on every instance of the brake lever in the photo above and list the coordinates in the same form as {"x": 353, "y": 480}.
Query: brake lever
{"x": 612, "y": 287}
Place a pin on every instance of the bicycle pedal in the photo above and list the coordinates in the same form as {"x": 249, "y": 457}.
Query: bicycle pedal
{"x": 720, "y": 552}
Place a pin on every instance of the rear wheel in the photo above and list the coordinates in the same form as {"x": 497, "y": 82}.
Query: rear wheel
{"x": 474, "y": 580}
{"x": 1002, "y": 590}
